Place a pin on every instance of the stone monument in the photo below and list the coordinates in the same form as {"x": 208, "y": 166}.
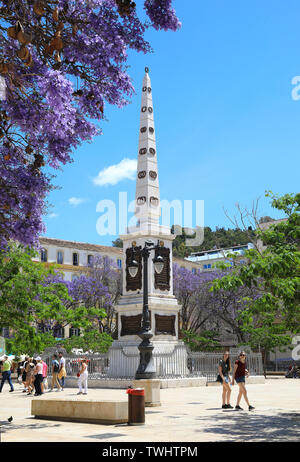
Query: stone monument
{"x": 163, "y": 306}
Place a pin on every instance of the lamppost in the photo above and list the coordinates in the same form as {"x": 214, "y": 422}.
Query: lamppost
{"x": 146, "y": 369}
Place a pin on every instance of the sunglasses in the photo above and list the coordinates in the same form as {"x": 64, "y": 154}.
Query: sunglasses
{"x": 242, "y": 355}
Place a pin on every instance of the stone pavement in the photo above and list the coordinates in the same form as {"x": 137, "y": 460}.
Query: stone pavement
{"x": 186, "y": 415}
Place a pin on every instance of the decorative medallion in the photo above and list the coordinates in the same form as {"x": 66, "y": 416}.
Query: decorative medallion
{"x": 144, "y": 108}
{"x": 143, "y": 129}
{"x": 143, "y": 151}
{"x": 152, "y": 174}
{"x": 141, "y": 200}
{"x": 142, "y": 174}
{"x": 152, "y": 151}
{"x": 154, "y": 201}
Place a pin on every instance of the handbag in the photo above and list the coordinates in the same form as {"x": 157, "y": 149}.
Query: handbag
{"x": 219, "y": 379}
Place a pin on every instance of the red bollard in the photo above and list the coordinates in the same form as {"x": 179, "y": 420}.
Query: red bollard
{"x": 136, "y": 406}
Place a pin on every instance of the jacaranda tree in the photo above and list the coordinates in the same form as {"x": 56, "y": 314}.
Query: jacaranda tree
{"x": 61, "y": 62}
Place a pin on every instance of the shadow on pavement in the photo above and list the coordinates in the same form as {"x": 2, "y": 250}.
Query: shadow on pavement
{"x": 6, "y": 426}
{"x": 251, "y": 426}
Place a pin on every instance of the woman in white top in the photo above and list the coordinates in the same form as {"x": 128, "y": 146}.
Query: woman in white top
{"x": 83, "y": 378}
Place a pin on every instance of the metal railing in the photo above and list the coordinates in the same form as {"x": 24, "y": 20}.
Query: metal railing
{"x": 178, "y": 363}
{"x": 208, "y": 363}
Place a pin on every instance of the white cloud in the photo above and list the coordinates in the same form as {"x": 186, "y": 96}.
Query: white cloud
{"x": 52, "y": 215}
{"x": 76, "y": 201}
{"x": 124, "y": 170}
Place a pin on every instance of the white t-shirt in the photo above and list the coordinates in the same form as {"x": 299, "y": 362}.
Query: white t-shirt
{"x": 39, "y": 368}
{"x": 62, "y": 362}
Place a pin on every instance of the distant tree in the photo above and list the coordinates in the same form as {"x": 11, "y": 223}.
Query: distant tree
{"x": 117, "y": 243}
{"x": 92, "y": 341}
{"x": 220, "y": 238}
{"x": 270, "y": 318}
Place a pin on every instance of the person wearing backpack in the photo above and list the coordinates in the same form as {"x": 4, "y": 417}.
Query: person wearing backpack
{"x": 55, "y": 370}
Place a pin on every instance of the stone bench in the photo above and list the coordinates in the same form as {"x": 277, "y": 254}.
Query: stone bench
{"x": 77, "y": 410}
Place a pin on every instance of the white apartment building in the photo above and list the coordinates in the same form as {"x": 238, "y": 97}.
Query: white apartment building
{"x": 207, "y": 259}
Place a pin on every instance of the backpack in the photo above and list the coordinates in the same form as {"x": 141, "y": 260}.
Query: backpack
{"x": 56, "y": 366}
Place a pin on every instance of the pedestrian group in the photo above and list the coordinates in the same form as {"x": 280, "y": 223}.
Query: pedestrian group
{"x": 33, "y": 373}
{"x": 240, "y": 372}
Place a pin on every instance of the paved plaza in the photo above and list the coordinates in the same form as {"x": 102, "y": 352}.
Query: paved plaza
{"x": 186, "y": 415}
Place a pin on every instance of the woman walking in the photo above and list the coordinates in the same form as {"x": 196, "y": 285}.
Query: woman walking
{"x": 83, "y": 378}
{"x": 224, "y": 369}
{"x": 38, "y": 373}
{"x": 239, "y": 374}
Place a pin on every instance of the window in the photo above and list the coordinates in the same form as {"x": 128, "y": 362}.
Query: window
{"x": 44, "y": 255}
{"x": 60, "y": 257}
{"x": 75, "y": 259}
{"x": 119, "y": 263}
{"x": 74, "y": 332}
{"x": 207, "y": 266}
{"x": 58, "y": 331}
{"x": 194, "y": 270}
{"x": 90, "y": 259}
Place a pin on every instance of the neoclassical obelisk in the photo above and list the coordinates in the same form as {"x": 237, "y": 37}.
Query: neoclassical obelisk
{"x": 162, "y": 303}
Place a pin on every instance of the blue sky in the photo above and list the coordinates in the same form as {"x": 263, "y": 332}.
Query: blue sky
{"x": 227, "y": 126}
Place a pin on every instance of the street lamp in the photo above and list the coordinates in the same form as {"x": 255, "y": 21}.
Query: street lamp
{"x": 146, "y": 369}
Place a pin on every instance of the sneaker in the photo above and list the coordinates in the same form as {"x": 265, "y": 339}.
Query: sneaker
{"x": 58, "y": 390}
{"x": 10, "y": 391}
{"x": 238, "y": 408}
{"x": 84, "y": 393}
{"x": 224, "y": 406}
{"x": 251, "y": 407}
{"x": 79, "y": 393}
{"x": 229, "y": 406}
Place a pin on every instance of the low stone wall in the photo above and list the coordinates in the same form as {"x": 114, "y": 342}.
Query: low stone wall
{"x": 76, "y": 410}
{"x": 125, "y": 383}
{"x": 183, "y": 382}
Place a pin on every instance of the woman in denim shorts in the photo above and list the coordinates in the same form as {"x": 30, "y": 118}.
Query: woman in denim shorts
{"x": 239, "y": 374}
{"x": 223, "y": 377}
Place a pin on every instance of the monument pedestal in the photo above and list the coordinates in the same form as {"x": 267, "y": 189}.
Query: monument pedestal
{"x": 152, "y": 391}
